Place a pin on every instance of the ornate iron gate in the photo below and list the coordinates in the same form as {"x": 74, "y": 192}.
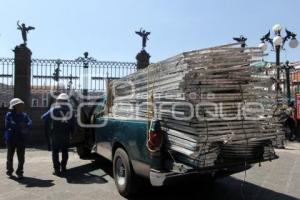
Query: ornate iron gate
{"x": 51, "y": 73}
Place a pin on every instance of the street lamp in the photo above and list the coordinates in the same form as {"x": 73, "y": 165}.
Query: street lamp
{"x": 85, "y": 60}
{"x": 287, "y": 68}
{"x": 278, "y": 43}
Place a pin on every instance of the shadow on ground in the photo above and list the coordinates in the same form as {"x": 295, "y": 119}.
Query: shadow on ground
{"x": 33, "y": 182}
{"x": 94, "y": 172}
{"x": 224, "y": 189}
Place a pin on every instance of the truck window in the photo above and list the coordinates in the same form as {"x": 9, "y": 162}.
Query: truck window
{"x": 100, "y": 108}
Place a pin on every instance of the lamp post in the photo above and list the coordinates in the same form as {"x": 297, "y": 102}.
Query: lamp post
{"x": 56, "y": 74}
{"x": 85, "y": 60}
{"x": 278, "y": 43}
{"x": 287, "y": 68}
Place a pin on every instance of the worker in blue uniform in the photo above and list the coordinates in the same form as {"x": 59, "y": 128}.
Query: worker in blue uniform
{"x": 17, "y": 125}
{"x": 61, "y": 119}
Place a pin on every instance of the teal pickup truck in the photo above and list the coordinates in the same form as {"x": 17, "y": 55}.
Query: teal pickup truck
{"x": 137, "y": 149}
{"x": 125, "y": 142}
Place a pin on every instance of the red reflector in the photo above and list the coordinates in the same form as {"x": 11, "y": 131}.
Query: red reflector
{"x": 154, "y": 140}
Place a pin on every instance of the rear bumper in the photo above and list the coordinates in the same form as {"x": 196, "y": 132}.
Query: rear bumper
{"x": 160, "y": 178}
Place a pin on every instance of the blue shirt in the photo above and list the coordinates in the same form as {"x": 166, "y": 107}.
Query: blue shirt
{"x": 62, "y": 121}
{"x": 13, "y": 125}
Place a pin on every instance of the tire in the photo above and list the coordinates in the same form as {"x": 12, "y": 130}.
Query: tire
{"x": 83, "y": 152}
{"x": 124, "y": 176}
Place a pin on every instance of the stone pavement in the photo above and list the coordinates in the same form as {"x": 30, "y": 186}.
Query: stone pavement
{"x": 279, "y": 179}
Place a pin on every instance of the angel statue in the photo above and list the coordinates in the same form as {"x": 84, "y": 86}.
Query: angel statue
{"x": 144, "y": 35}
{"x": 24, "y": 31}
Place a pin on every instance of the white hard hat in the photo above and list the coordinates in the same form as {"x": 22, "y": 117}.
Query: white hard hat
{"x": 63, "y": 96}
{"x": 15, "y": 101}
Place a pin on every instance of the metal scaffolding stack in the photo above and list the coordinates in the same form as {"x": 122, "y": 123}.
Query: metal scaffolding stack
{"x": 209, "y": 102}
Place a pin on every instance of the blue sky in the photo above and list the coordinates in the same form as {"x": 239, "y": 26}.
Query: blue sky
{"x": 67, "y": 28}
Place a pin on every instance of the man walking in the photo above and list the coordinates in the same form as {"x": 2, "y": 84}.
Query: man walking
{"x": 17, "y": 124}
{"x": 61, "y": 120}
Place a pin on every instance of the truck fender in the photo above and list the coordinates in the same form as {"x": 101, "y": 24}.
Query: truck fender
{"x": 118, "y": 144}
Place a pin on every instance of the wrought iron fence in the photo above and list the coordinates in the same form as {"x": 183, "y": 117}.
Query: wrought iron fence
{"x": 6, "y": 72}
{"x": 51, "y": 73}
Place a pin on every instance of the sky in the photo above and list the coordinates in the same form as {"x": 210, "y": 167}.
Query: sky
{"x": 67, "y": 28}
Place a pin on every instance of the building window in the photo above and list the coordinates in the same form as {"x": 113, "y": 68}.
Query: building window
{"x": 45, "y": 103}
{"x": 34, "y": 103}
{"x": 44, "y": 99}
{"x": 3, "y": 105}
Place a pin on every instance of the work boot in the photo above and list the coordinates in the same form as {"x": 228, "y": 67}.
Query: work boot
{"x": 63, "y": 171}
{"x": 19, "y": 175}
{"x": 57, "y": 173}
{"x": 9, "y": 174}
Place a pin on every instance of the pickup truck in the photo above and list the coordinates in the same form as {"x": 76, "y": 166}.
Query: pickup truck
{"x": 137, "y": 148}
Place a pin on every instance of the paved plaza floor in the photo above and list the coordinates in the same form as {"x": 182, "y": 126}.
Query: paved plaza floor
{"x": 88, "y": 179}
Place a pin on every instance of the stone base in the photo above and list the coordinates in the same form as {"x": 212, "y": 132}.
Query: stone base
{"x": 143, "y": 59}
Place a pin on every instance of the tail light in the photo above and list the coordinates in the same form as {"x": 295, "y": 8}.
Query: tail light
{"x": 155, "y": 136}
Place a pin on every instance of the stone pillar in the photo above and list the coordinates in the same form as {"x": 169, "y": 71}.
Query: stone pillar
{"x": 22, "y": 86}
{"x": 143, "y": 59}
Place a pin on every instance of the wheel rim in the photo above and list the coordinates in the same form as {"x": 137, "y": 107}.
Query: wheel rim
{"x": 120, "y": 172}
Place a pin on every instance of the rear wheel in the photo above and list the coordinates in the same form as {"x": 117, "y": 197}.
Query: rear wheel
{"x": 124, "y": 176}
